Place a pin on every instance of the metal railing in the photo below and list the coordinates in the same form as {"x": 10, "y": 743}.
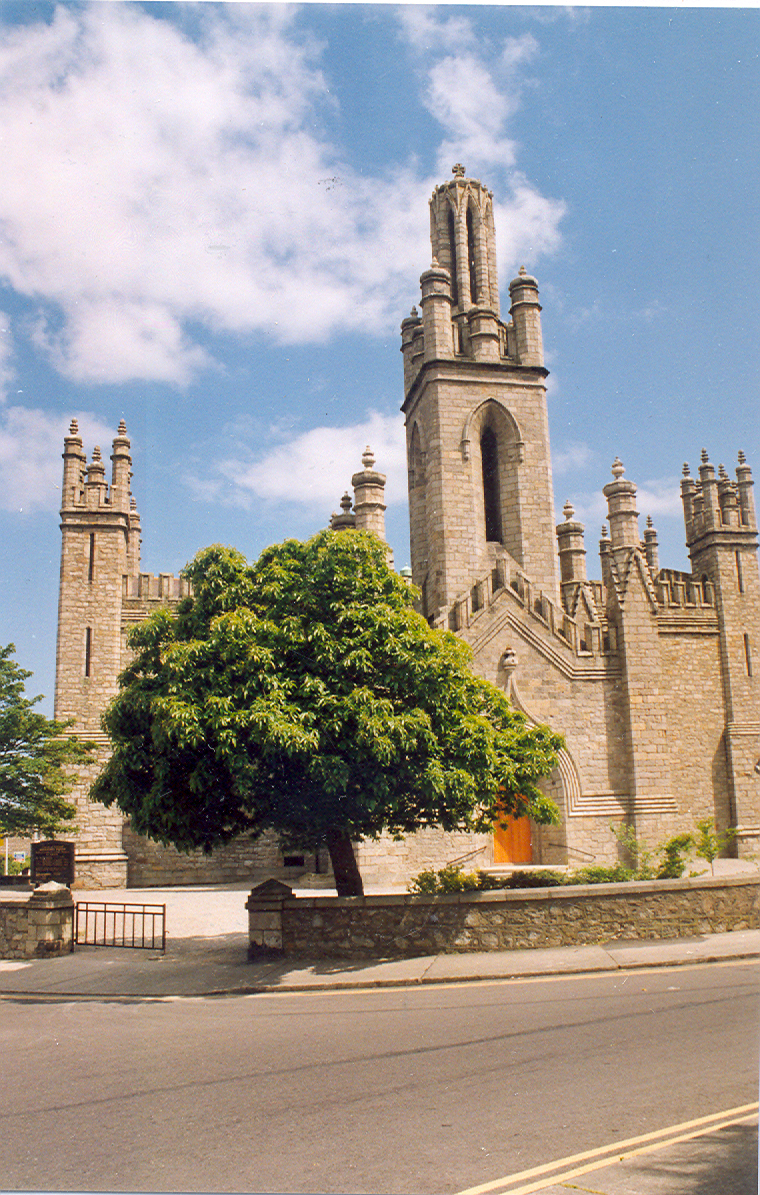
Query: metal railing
{"x": 138, "y": 927}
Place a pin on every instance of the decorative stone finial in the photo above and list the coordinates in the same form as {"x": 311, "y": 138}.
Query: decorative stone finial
{"x": 458, "y": 170}
{"x": 649, "y": 521}
{"x": 618, "y": 468}
{"x": 73, "y": 428}
{"x": 522, "y": 272}
{"x": 742, "y": 458}
{"x": 686, "y": 471}
{"x": 604, "y": 531}
{"x": 704, "y": 456}
{"x": 414, "y": 313}
{"x": 96, "y": 453}
{"x": 509, "y": 659}
{"x": 122, "y": 429}
{"x": 132, "y": 503}
{"x": 722, "y": 471}
{"x": 568, "y": 510}
{"x": 345, "y": 503}
{"x": 368, "y": 457}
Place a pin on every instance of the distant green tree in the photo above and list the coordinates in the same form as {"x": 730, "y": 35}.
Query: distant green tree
{"x": 38, "y": 758}
{"x": 304, "y": 694}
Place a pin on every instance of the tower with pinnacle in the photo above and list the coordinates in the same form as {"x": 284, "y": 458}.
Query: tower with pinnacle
{"x": 480, "y": 486}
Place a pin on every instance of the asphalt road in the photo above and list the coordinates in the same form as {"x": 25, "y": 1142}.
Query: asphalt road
{"x": 497, "y": 1086}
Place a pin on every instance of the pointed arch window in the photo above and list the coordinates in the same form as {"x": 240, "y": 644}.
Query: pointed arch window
{"x": 489, "y": 455}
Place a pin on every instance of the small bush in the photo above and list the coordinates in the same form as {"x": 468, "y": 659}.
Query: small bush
{"x": 448, "y": 879}
{"x": 672, "y": 862}
{"x": 594, "y": 874}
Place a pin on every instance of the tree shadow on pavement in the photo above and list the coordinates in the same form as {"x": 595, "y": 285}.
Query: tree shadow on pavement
{"x": 721, "y": 1163}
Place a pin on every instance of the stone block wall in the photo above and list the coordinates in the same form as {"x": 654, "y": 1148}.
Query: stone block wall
{"x": 407, "y": 925}
{"x": 39, "y": 926}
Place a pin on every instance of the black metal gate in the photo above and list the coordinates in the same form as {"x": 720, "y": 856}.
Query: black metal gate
{"x": 139, "y": 927}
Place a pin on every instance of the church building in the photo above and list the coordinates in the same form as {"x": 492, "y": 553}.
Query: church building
{"x": 647, "y": 672}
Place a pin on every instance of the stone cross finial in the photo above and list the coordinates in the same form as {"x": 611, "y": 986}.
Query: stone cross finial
{"x": 618, "y": 468}
{"x": 458, "y": 170}
{"x": 368, "y": 457}
{"x": 568, "y": 510}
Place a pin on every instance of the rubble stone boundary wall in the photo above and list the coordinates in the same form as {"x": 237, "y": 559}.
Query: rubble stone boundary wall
{"x": 39, "y": 926}
{"x": 408, "y": 925}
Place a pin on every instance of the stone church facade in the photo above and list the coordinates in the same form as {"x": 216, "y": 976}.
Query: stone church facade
{"x": 649, "y": 673}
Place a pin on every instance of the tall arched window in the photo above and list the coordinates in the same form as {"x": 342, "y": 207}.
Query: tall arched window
{"x": 471, "y": 258}
{"x": 453, "y": 257}
{"x": 489, "y": 456}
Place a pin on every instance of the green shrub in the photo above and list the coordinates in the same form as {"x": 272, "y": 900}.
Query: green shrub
{"x": 672, "y": 862}
{"x": 596, "y": 874}
{"x": 448, "y": 879}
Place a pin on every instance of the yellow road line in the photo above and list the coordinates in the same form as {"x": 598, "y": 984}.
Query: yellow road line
{"x": 618, "y": 1150}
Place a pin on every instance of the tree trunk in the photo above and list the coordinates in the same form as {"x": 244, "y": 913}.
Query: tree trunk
{"x": 348, "y": 880}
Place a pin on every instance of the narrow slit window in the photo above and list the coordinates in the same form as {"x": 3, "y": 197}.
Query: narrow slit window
{"x": 491, "y": 495}
{"x": 91, "y": 562}
{"x": 453, "y": 259}
{"x": 739, "y": 573}
{"x": 88, "y": 651}
{"x": 748, "y": 655}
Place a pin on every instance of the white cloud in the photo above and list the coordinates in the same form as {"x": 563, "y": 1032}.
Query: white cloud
{"x": 7, "y": 371}
{"x": 574, "y": 455}
{"x": 315, "y": 467}
{"x": 31, "y": 443}
{"x": 154, "y": 183}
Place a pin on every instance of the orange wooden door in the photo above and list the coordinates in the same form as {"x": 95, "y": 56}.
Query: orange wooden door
{"x": 513, "y": 844}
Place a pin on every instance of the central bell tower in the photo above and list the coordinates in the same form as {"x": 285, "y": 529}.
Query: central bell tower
{"x": 477, "y": 433}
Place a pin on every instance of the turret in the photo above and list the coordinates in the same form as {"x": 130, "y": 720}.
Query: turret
{"x": 369, "y": 496}
{"x": 651, "y": 548}
{"x": 74, "y": 466}
{"x": 526, "y": 317}
{"x": 346, "y": 520}
{"x": 121, "y": 469}
{"x": 622, "y": 513}
{"x": 572, "y": 553}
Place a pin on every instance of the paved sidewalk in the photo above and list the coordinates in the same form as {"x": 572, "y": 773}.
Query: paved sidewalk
{"x": 207, "y": 955}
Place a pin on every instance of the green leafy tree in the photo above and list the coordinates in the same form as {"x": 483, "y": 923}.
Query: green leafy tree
{"x": 38, "y": 758}
{"x": 305, "y": 695}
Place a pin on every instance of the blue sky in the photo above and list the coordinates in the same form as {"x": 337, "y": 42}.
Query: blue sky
{"x": 214, "y": 217}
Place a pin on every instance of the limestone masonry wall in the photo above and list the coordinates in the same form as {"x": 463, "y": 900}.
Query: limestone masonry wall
{"x": 407, "y": 925}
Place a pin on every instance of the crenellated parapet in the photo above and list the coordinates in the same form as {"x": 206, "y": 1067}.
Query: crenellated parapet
{"x": 151, "y": 587}
{"x": 585, "y": 635}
